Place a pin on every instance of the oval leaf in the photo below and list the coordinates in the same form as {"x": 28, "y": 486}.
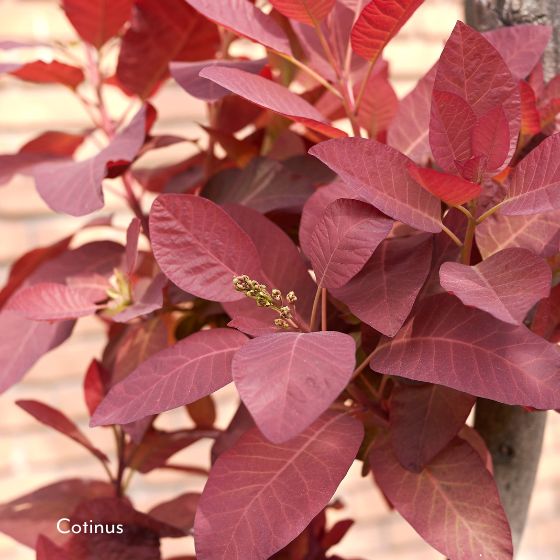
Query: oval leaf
{"x": 378, "y": 175}
{"x": 199, "y": 247}
{"x": 272, "y": 96}
{"x": 506, "y": 285}
{"x": 242, "y": 511}
{"x": 453, "y": 503}
{"x": 467, "y": 349}
{"x": 305, "y": 11}
{"x": 378, "y": 23}
{"x": 344, "y": 239}
{"x": 287, "y": 380}
{"x": 187, "y": 371}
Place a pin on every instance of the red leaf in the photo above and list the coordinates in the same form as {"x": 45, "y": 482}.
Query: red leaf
{"x": 178, "y": 512}
{"x": 379, "y": 105}
{"x": 449, "y": 344}
{"x": 58, "y": 421}
{"x": 48, "y": 301}
{"x": 397, "y": 271}
{"x": 530, "y": 118}
{"x": 50, "y": 73}
{"x": 451, "y": 125}
{"x": 288, "y": 273}
{"x": 471, "y": 68}
{"x": 344, "y": 239}
{"x": 547, "y": 315}
{"x": 96, "y": 383}
{"x": 47, "y": 550}
{"x": 159, "y": 33}
{"x": 139, "y": 539}
{"x": 186, "y": 74}
{"x": 272, "y": 96}
{"x": 521, "y": 46}
{"x": 242, "y": 511}
{"x": 53, "y": 143}
{"x": 132, "y": 236}
{"x": 96, "y": 21}
{"x": 264, "y": 185}
{"x": 243, "y": 18}
{"x": 37, "y": 513}
{"x": 490, "y": 139}
{"x": 74, "y": 187}
{"x": 451, "y": 189}
{"x": 539, "y": 233}
{"x": 533, "y": 183}
{"x": 453, "y": 503}
{"x": 217, "y": 247}
{"x": 305, "y": 11}
{"x": 287, "y": 380}
{"x": 506, "y": 285}
{"x": 424, "y": 419}
{"x": 377, "y": 174}
{"x": 203, "y": 412}
{"x": 378, "y": 23}
{"x": 409, "y": 130}
{"x": 187, "y": 371}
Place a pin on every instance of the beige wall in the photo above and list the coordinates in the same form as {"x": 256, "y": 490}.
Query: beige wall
{"x": 31, "y": 456}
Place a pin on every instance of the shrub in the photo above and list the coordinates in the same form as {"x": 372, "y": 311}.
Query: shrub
{"x": 362, "y": 268}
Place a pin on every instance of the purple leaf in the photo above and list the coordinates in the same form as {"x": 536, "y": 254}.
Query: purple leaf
{"x": 178, "y": 512}
{"x": 521, "y": 46}
{"x": 506, "y": 285}
{"x": 186, "y": 74}
{"x": 187, "y": 371}
{"x": 472, "y": 69}
{"x": 37, "y": 513}
{"x": 74, "y": 187}
{"x": 61, "y": 423}
{"x": 132, "y": 237}
{"x": 243, "y": 18}
{"x": 383, "y": 293}
{"x": 378, "y": 174}
{"x": 48, "y": 301}
{"x": 467, "y": 349}
{"x": 270, "y": 95}
{"x": 287, "y": 380}
{"x": 283, "y": 269}
{"x": 464, "y": 518}
{"x": 148, "y": 297}
{"x": 199, "y": 247}
{"x": 417, "y": 431}
{"x": 47, "y": 550}
{"x": 533, "y": 183}
{"x": 243, "y": 511}
{"x": 409, "y": 130}
{"x": 451, "y": 124}
{"x": 538, "y": 232}
{"x": 344, "y": 239}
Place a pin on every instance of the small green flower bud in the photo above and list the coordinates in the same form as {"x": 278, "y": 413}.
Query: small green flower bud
{"x": 277, "y": 294}
{"x": 281, "y": 323}
{"x": 291, "y": 297}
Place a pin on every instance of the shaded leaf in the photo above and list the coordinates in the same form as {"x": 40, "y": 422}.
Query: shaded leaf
{"x": 378, "y": 175}
{"x": 467, "y": 349}
{"x": 272, "y": 96}
{"x": 187, "y": 371}
{"x": 178, "y": 512}
{"x": 242, "y": 510}
{"x": 96, "y": 21}
{"x": 383, "y": 293}
{"x": 61, "y": 423}
{"x": 423, "y": 420}
{"x": 453, "y": 503}
{"x": 159, "y": 33}
{"x": 506, "y": 285}
{"x": 96, "y": 383}
{"x": 47, "y": 550}
{"x": 344, "y": 239}
{"x": 199, "y": 247}
{"x": 287, "y": 380}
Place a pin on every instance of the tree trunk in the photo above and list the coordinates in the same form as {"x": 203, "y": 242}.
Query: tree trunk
{"x": 514, "y": 436}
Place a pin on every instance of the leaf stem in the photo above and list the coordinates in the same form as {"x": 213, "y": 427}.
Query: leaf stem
{"x": 455, "y": 239}
{"x": 363, "y": 365}
{"x": 315, "y": 309}
{"x": 489, "y": 212}
{"x": 468, "y": 244}
{"x": 323, "y": 309}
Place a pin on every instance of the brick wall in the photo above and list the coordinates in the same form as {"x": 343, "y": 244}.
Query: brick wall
{"x": 31, "y": 456}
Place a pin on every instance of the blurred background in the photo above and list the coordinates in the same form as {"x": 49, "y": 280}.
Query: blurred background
{"x": 32, "y": 456}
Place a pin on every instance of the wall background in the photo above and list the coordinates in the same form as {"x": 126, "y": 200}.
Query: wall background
{"x": 32, "y": 456}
